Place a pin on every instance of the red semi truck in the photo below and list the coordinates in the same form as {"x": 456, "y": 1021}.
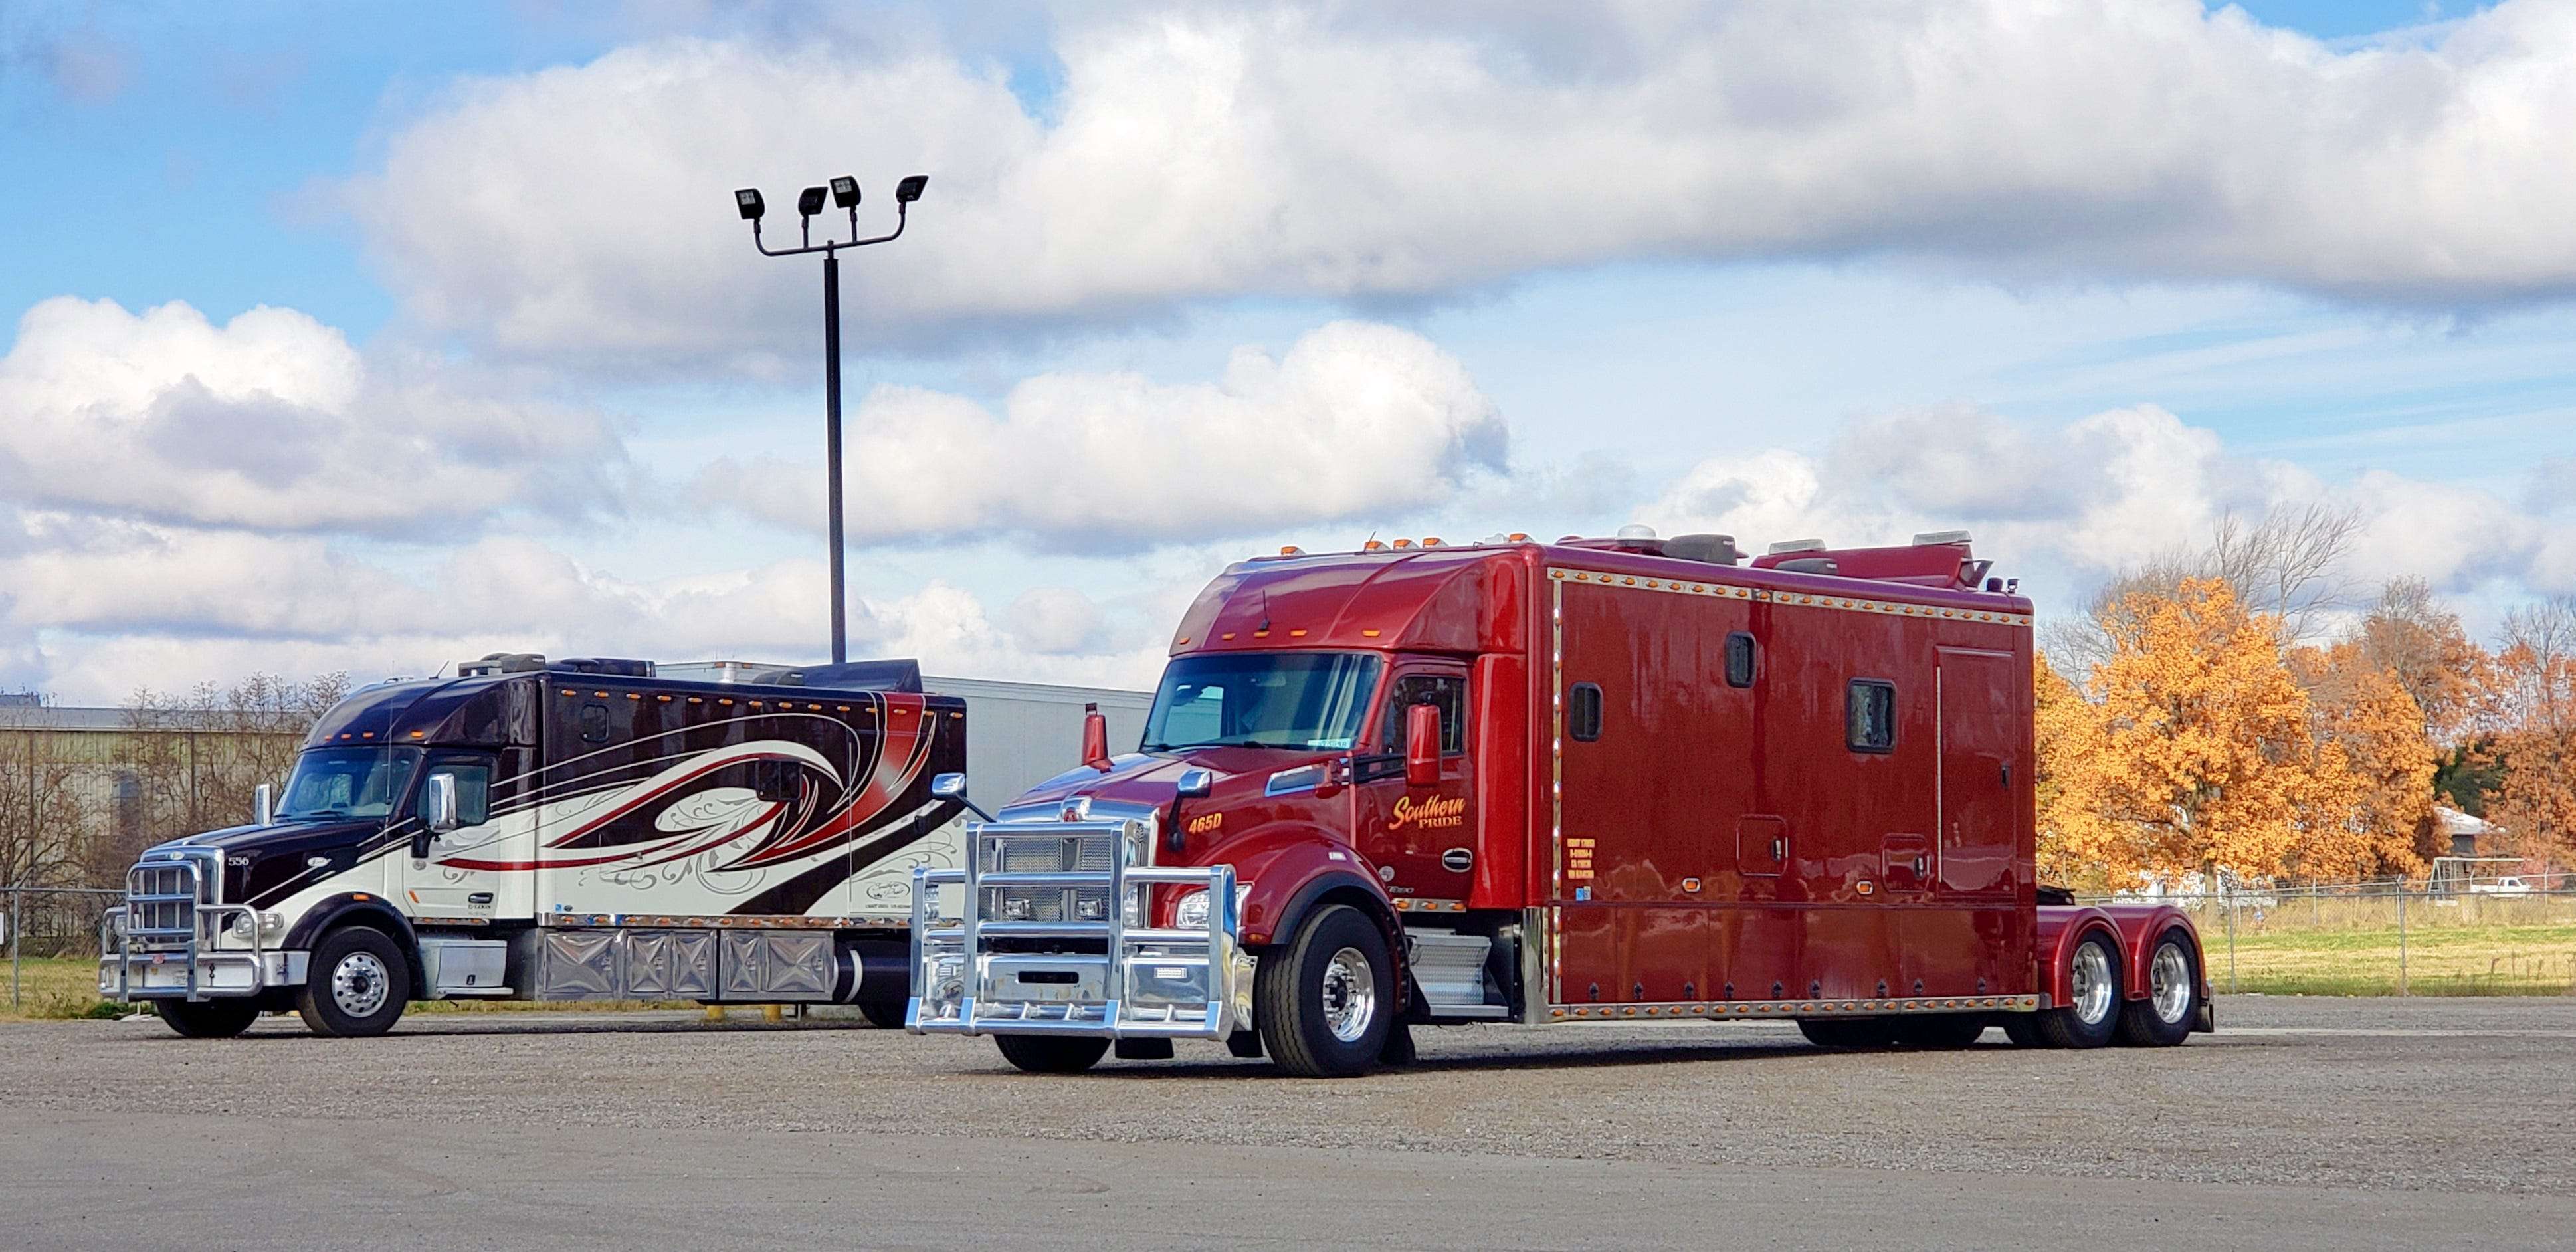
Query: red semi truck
{"x": 1622, "y": 779}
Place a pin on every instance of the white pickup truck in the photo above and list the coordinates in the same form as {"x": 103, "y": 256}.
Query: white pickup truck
{"x": 2509, "y": 885}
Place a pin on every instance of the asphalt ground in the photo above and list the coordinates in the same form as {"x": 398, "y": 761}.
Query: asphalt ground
{"x": 2343, "y": 1124}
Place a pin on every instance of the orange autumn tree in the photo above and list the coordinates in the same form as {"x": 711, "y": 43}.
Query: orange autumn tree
{"x": 2533, "y": 707}
{"x": 2189, "y": 750}
{"x": 2376, "y": 760}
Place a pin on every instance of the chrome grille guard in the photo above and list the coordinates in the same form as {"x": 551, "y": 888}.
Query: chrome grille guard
{"x": 1111, "y": 977}
{"x": 170, "y": 914}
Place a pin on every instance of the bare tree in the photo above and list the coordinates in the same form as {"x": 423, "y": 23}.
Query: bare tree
{"x": 195, "y": 758}
{"x": 2288, "y": 565}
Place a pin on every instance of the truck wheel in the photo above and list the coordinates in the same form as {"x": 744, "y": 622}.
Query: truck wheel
{"x": 1848, "y": 1032}
{"x": 883, "y": 1014}
{"x": 2163, "y": 1019}
{"x": 1940, "y": 1032}
{"x": 357, "y": 983}
{"x": 2093, "y": 984}
{"x": 1051, "y": 1054}
{"x": 1328, "y": 999}
{"x": 209, "y": 1019}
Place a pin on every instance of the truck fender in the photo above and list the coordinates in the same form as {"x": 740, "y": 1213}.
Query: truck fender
{"x": 2061, "y": 927}
{"x": 2141, "y": 926}
{"x": 1292, "y": 873}
{"x": 333, "y": 912}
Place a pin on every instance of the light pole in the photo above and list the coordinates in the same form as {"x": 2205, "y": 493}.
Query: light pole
{"x": 844, "y": 192}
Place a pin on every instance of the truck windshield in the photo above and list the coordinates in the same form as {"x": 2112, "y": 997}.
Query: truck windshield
{"x": 1309, "y": 700}
{"x": 347, "y": 782}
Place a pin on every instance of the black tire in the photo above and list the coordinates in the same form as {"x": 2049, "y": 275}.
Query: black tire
{"x": 2143, "y": 1023}
{"x": 209, "y": 1019}
{"x": 2069, "y": 1027}
{"x": 1051, "y": 1054}
{"x": 1297, "y": 979}
{"x": 373, "y": 980}
{"x": 1848, "y": 1032}
{"x": 884, "y": 1014}
{"x": 1940, "y": 1032}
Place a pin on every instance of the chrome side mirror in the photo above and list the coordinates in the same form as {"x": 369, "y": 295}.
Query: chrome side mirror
{"x": 953, "y": 787}
{"x": 438, "y": 802}
{"x": 263, "y": 804}
{"x": 1194, "y": 784}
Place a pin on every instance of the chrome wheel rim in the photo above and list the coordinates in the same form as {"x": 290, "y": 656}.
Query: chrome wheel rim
{"x": 2092, "y": 983}
{"x": 1350, "y": 995}
{"x": 2169, "y": 982}
{"x": 360, "y": 983}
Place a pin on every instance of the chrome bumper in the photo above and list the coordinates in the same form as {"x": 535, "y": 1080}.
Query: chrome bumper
{"x": 127, "y": 976}
{"x": 976, "y": 974}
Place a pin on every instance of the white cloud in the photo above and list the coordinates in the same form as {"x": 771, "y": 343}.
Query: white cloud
{"x": 95, "y": 612}
{"x": 1302, "y": 150}
{"x": 2073, "y": 503}
{"x": 1354, "y": 421}
{"x": 273, "y": 421}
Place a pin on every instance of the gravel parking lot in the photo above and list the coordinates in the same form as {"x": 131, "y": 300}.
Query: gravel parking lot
{"x": 2327, "y": 1123}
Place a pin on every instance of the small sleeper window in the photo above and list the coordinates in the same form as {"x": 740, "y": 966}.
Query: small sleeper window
{"x": 594, "y": 723}
{"x": 1583, "y": 712}
{"x": 1869, "y": 716}
{"x": 1739, "y": 660}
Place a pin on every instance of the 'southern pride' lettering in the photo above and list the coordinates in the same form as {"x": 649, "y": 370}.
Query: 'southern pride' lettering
{"x": 1431, "y": 814}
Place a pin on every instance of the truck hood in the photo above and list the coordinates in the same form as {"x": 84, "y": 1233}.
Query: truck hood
{"x": 1149, "y": 778}
{"x": 260, "y": 861}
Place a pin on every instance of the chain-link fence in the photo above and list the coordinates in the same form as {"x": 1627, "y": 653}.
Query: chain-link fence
{"x": 52, "y": 940}
{"x": 2507, "y": 935}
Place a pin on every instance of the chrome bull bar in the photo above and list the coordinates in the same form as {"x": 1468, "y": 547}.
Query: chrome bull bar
{"x": 170, "y": 926}
{"x": 1110, "y": 976}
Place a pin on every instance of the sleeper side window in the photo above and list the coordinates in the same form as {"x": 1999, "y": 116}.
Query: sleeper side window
{"x": 1869, "y": 716}
{"x": 594, "y": 723}
{"x": 1583, "y": 712}
{"x": 1739, "y": 659}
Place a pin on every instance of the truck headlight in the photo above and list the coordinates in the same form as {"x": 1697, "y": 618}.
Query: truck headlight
{"x": 1191, "y": 911}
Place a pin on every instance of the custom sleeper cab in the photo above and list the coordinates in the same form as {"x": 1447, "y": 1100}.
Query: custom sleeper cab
{"x": 562, "y": 831}
{"x": 1600, "y": 779}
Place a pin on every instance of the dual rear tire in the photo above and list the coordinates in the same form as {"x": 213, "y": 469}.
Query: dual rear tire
{"x": 2098, "y": 1011}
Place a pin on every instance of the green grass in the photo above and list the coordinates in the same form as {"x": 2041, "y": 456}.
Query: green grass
{"x": 2440, "y": 960}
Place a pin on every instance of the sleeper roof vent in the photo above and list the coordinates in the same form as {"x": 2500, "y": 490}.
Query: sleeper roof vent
{"x": 1712, "y": 549}
{"x": 1940, "y": 536}
{"x": 502, "y": 663}
{"x": 1636, "y": 537}
{"x": 1797, "y": 545}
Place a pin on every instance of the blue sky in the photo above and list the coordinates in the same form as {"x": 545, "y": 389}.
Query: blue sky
{"x": 500, "y": 233}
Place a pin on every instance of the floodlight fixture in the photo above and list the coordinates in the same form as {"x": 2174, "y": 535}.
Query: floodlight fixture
{"x": 843, "y": 192}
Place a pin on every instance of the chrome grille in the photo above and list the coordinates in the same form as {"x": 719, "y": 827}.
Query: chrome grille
{"x": 161, "y": 899}
{"x": 1050, "y": 854}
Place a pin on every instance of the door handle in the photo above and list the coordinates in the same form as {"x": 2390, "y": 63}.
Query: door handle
{"x": 1922, "y": 866}
{"x": 1780, "y": 849}
{"x": 2007, "y": 773}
